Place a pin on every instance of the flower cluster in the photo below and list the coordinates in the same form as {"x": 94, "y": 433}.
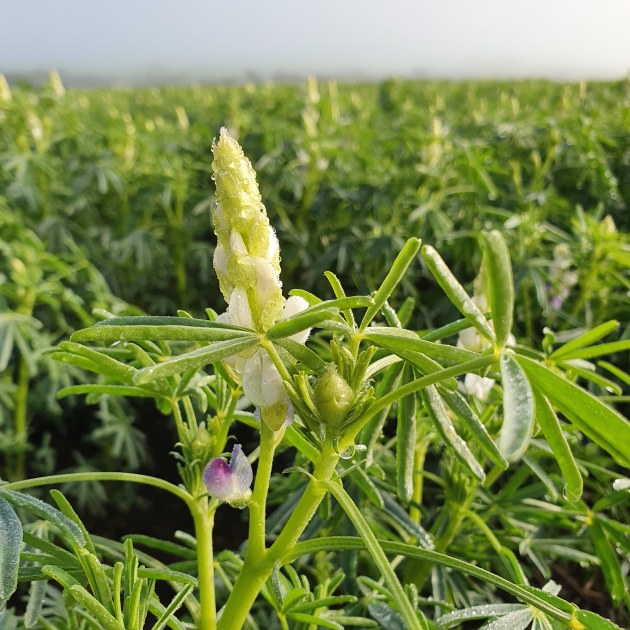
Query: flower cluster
{"x": 247, "y": 263}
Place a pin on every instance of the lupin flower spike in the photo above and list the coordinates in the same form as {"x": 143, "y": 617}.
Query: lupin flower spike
{"x": 230, "y": 482}
{"x": 247, "y": 262}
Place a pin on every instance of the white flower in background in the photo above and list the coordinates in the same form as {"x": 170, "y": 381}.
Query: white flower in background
{"x": 247, "y": 263}
{"x": 478, "y": 386}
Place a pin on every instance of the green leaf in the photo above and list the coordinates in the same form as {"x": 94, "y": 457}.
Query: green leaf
{"x": 36, "y": 594}
{"x": 317, "y": 621}
{"x": 475, "y": 612}
{"x": 68, "y": 528}
{"x": 175, "y": 604}
{"x": 166, "y": 546}
{"x": 108, "y": 390}
{"x": 158, "y": 328}
{"x": 465, "y": 413}
{"x": 498, "y": 269}
{"x": 166, "y": 574}
{"x": 92, "y": 605}
{"x": 601, "y": 423}
{"x": 594, "y": 351}
{"x": 442, "y": 422}
{"x": 403, "y": 520}
{"x": 557, "y": 441}
{"x": 397, "y": 271}
{"x": 406, "y": 440}
{"x": 62, "y": 577}
{"x": 403, "y": 346}
{"x": 363, "y": 481}
{"x": 386, "y": 616}
{"x": 401, "y": 339}
{"x": 61, "y": 556}
{"x": 585, "y": 339}
{"x": 106, "y": 365}
{"x": 195, "y": 359}
{"x": 304, "y": 355}
{"x": 97, "y": 579}
{"x": 593, "y": 621}
{"x": 300, "y": 321}
{"x": 624, "y": 377}
{"x": 518, "y": 410}
{"x": 67, "y": 510}
{"x": 591, "y": 375}
{"x": 10, "y": 546}
{"x": 456, "y": 292}
{"x": 607, "y": 561}
{"x": 340, "y": 293}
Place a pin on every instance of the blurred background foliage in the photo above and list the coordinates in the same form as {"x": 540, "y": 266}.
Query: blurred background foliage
{"x": 104, "y": 203}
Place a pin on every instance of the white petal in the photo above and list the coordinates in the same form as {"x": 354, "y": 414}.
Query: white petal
{"x": 273, "y": 247}
{"x": 267, "y": 279}
{"x": 220, "y": 259}
{"x": 478, "y": 386}
{"x": 271, "y": 384}
{"x": 252, "y": 379}
{"x": 240, "y": 313}
{"x": 470, "y": 339}
{"x": 296, "y": 304}
{"x": 237, "y": 245}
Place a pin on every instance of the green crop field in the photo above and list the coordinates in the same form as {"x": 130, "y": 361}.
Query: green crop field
{"x": 105, "y": 211}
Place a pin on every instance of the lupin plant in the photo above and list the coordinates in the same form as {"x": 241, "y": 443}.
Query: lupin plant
{"x": 329, "y": 399}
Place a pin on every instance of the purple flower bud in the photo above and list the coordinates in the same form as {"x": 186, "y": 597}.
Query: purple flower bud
{"x": 229, "y": 482}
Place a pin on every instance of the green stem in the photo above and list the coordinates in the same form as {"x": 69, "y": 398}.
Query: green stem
{"x": 103, "y": 476}
{"x": 179, "y": 421}
{"x": 418, "y": 481}
{"x": 257, "y": 507}
{"x": 256, "y": 570}
{"x": 203, "y": 517}
{"x": 378, "y": 555}
{"x": 21, "y": 410}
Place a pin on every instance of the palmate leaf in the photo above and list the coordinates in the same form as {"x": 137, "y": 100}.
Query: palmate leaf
{"x": 602, "y": 424}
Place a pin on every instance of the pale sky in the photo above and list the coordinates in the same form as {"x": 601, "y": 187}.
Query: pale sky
{"x": 124, "y": 41}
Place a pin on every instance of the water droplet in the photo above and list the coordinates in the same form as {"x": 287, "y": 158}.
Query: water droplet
{"x": 360, "y": 447}
{"x": 322, "y": 431}
{"x": 348, "y": 453}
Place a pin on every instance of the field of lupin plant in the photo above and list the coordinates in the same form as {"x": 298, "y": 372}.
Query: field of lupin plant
{"x": 366, "y": 343}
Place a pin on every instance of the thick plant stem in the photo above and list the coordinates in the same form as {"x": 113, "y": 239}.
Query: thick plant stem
{"x": 258, "y": 567}
{"x": 258, "y": 504}
{"x": 203, "y": 518}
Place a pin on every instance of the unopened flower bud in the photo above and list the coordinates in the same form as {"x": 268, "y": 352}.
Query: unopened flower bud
{"x": 333, "y": 397}
{"x": 230, "y": 482}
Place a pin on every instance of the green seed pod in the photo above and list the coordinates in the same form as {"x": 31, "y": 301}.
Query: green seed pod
{"x": 334, "y": 397}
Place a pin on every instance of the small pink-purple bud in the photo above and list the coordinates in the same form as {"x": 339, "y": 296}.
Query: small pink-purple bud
{"x": 229, "y": 482}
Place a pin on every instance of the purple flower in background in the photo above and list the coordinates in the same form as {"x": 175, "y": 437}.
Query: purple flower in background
{"x": 229, "y": 482}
